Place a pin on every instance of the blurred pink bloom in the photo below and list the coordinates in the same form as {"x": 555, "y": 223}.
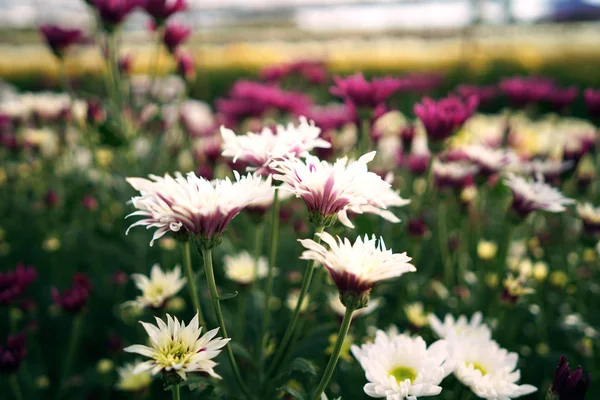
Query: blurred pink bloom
{"x": 592, "y": 101}
{"x": 524, "y": 90}
{"x": 125, "y": 64}
{"x": 75, "y": 298}
{"x": 12, "y": 354}
{"x": 175, "y": 35}
{"x": 561, "y": 98}
{"x": 314, "y": 72}
{"x": 420, "y": 83}
{"x": 443, "y": 117}
{"x": 60, "y": 39}
{"x": 90, "y": 203}
{"x": 113, "y": 12}
{"x": 185, "y": 66}
{"x": 13, "y": 283}
{"x": 484, "y": 93}
{"x": 95, "y": 113}
{"x": 161, "y": 10}
{"x": 361, "y": 93}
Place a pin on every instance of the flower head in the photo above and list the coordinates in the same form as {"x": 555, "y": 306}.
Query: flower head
{"x": 460, "y": 327}
{"x": 590, "y": 216}
{"x": 592, "y": 101}
{"x": 312, "y": 71}
{"x": 484, "y": 94}
{"x": 74, "y": 299}
{"x": 453, "y": 174}
{"x": 443, "y": 117}
{"x": 132, "y": 382}
{"x": 355, "y": 268}
{"x": 489, "y": 160}
{"x": 261, "y": 149}
{"x": 175, "y": 35}
{"x": 244, "y": 269}
{"x": 178, "y": 348}
{"x": 567, "y": 385}
{"x": 532, "y": 195}
{"x": 14, "y": 283}
{"x": 359, "y": 92}
{"x": 401, "y": 367}
{"x": 192, "y": 205}
{"x": 525, "y": 90}
{"x": 12, "y": 354}
{"x": 113, "y": 12}
{"x": 561, "y": 98}
{"x": 186, "y": 68}
{"x": 59, "y": 38}
{"x": 161, "y": 10}
{"x": 158, "y": 288}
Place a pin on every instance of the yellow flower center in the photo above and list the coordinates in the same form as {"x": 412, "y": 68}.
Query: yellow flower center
{"x": 174, "y": 353}
{"x": 479, "y": 368}
{"x": 403, "y": 373}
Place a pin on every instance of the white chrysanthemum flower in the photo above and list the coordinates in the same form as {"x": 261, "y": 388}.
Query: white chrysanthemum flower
{"x": 453, "y": 174}
{"x": 244, "y": 269}
{"x": 260, "y": 149}
{"x": 461, "y": 327}
{"x": 193, "y": 205}
{"x": 262, "y": 205}
{"x": 489, "y": 160}
{"x": 356, "y": 267}
{"x": 179, "y": 348}
{"x": 548, "y": 168}
{"x": 329, "y": 189}
{"x": 333, "y": 299}
{"x": 532, "y": 195}
{"x": 292, "y": 300}
{"x": 130, "y": 381}
{"x": 590, "y": 216}
{"x": 487, "y": 369}
{"x": 159, "y": 288}
{"x": 400, "y": 367}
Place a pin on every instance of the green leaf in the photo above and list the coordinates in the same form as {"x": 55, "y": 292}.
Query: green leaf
{"x": 228, "y": 296}
{"x": 293, "y": 392}
{"x": 303, "y": 365}
{"x": 241, "y": 351}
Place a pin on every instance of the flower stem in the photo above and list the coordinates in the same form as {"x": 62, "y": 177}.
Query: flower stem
{"x": 428, "y": 182}
{"x": 365, "y": 137}
{"x": 336, "y": 353}
{"x": 258, "y": 246}
{"x": 191, "y": 281}
{"x": 214, "y": 295}
{"x": 281, "y": 349}
{"x": 443, "y": 236}
{"x": 73, "y": 343}
{"x": 14, "y": 386}
{"x": 175, "y": 392}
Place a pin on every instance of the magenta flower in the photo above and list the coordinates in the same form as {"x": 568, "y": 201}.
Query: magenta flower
{"x": 60, "y": 39}
{"x": 161, "y": 10}
{"x": 113, "y": 12}
{"x": 185, "y": 66}
{"x": 485, "y": 94}
{"x": 561, "y": 98}
{"x": 175, "y": 35}
{"x": 524, "y": 90}
{"x": 14, "y": 283}
{"x": 95, "y": 114}
{"x": 421, "y": 82}
{"x": 567, "y": 385}
{"x": 74, "y": 299}
{"x": 12, "y": 354}
{"x": 592, "y": 101}
{"x": 125, "y": 64}
{"x": 356, "y": 90}
{"x": 443, "y": 117}
{"x": 312, "y": 71}
{"x": 331, "y": 117}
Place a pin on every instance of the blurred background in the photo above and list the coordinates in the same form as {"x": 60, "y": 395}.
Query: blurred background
{"x": 475, "y": 39}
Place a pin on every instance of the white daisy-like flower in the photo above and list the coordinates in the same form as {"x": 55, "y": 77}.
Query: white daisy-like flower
{"x": 487, "y": 369}
{"x": 260, "y": 149}
{"x": 244, "y": 269}
{"x": 489, "y": 160}
{"x": 356, "y": 267}
{"x": 453, "y": 174}
{"x": 130, "y": 381}
{"x": 263, "y": 205}
{"x": 532, "y": 195}
{"x": 158, "y": 288}
{"x": 193, "y": 205}
{"x": 461, "y": 327}
{"x": 329, "y": 189}
{"x": 548, "y": 168}
{"x": 179, "y": 348}
{"x": 333, "y": 299}
{"x": 590, "y": 216}
{"x": 398, "y": 366}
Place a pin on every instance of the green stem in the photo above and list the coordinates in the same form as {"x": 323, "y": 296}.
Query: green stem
{"x": 214, "y": 295}
{"x": 272, "y": 257}
{"x": 443, "y": 237}
{"x": 365, "y": 137}
{"x": 428, "y": 182}
{"x": 335, "y": 355}
{"x": 73, "y": 343}
{"x": 258, "y": 246}
{"x": 175, "y": 392}
{"x": 191, "y": 281}
{"x": 281, "y": 349}
{"x": 14, "y": 386}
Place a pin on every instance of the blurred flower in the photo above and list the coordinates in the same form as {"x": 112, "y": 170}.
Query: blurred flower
{"x": 356, "y": 90}
{"x": 197, "y": 118}
{"x": 174, "y": 35}
{"x": 461, "y": 327}
{"x": 592, "y": 102}
{"x": 402, "y": 367}
{"x": 525, "y": 90}
{"x": 314, "y": 72}
{"x": 540, "y": 271}
{"x": 260, "y": 149}
{"x": 95, "y": 114}
{"x": 130, "y": 381}
{"x": 590, "y": 216}
{"x": 443, "y": 117}
{"x": 157, "y": 289}
{"x": 178, "y": 348}
{"x": 242, "y": 268}
{"x": 416, "y": 315}
{"x": 489, "y": 160}
{"x": 453, "y": 174}
{"x": 532, "y": 195}
{"x": 292, "y": 300}
{"x": 161, "y": 10}
{"x": 567, "y": 385}
{"x": 334, "y": 302}
{"x": 559, "y": 279}
{"x": 42, "y": 382}
{"x": 561, "y": 98}
{"x": 113, "y": 12}
{"x": 355, "y": 268}
{"x": 51, "y": 244}
{"x": 74, "y": 299}
{"x": 14, "y": 283}
{"x": 549, "y": 169}
{"x": 417, "y": 227}
{"x": 125, "y": 64}
{"x": 484, "y": 94}
{"x": 331, "y": 117}
{"x": 104, "y": 156}
{"x": 514, "y": 287}
{"x": 486, "y": 368}
{"x": 104, "y": 366}
{"x": 59, "y": 39}
{"x": 486, "y": 250}
{"x": 167, "y": 243}
{"x": 12, "y": 354}
{"x": 89, "y": 203}
{"x": 346, "y": 344}
{"x": 192, "y": 205}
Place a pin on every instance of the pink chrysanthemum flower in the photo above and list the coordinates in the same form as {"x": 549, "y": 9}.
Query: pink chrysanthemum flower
{"x": 193, "y": 205}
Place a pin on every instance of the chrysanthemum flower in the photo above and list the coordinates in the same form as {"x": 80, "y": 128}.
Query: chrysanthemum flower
{"x": 261, "y": 149}
{"x": 548, "y": 168}
{"x": 242, "y": 268}
{"x": 569, "y": 385}
{"x": 159, "y": 288}
{"x": 400, "y": 367}
{"x": 193, "y": 205}
{"x": 13, "y": 353}
{"x": 532, "y": 195}
{"x": 590, "y": 216}
{"x": 359, "y": 92}
{"x": 59, "y": 38}
{"x": 416, "y": 314}
{"x": 443, "y": 117}
{"x": 453, "y": 174}
{"x": 75, "y": 298}
{"x": 14, "y": 283}
{"x": 161, "y": 10}
{"x": 174, "y": 35}
{"x": 487, "y": 369}
{"x": 130, "y": 381}
{"x": 355, "y": 268}
{"x": 178, "y": 348}
{"x": 489, "y": 160}
{"x": 461, "y": 327}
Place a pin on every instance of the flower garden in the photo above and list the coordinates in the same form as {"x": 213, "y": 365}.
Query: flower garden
{"x": 303, "y": 235}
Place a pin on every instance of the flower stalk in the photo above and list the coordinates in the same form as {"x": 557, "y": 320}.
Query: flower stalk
{"x": 15, "y": 388}
{"x": 76, "y": 330}
{"x": 175, "y": 392}
{"x": 191, "y": 281}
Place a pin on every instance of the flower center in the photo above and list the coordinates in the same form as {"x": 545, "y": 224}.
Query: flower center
{"x": 403, "y": 373}
{"x": 479, "y": 368}
{"x": 174, "y": 353}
